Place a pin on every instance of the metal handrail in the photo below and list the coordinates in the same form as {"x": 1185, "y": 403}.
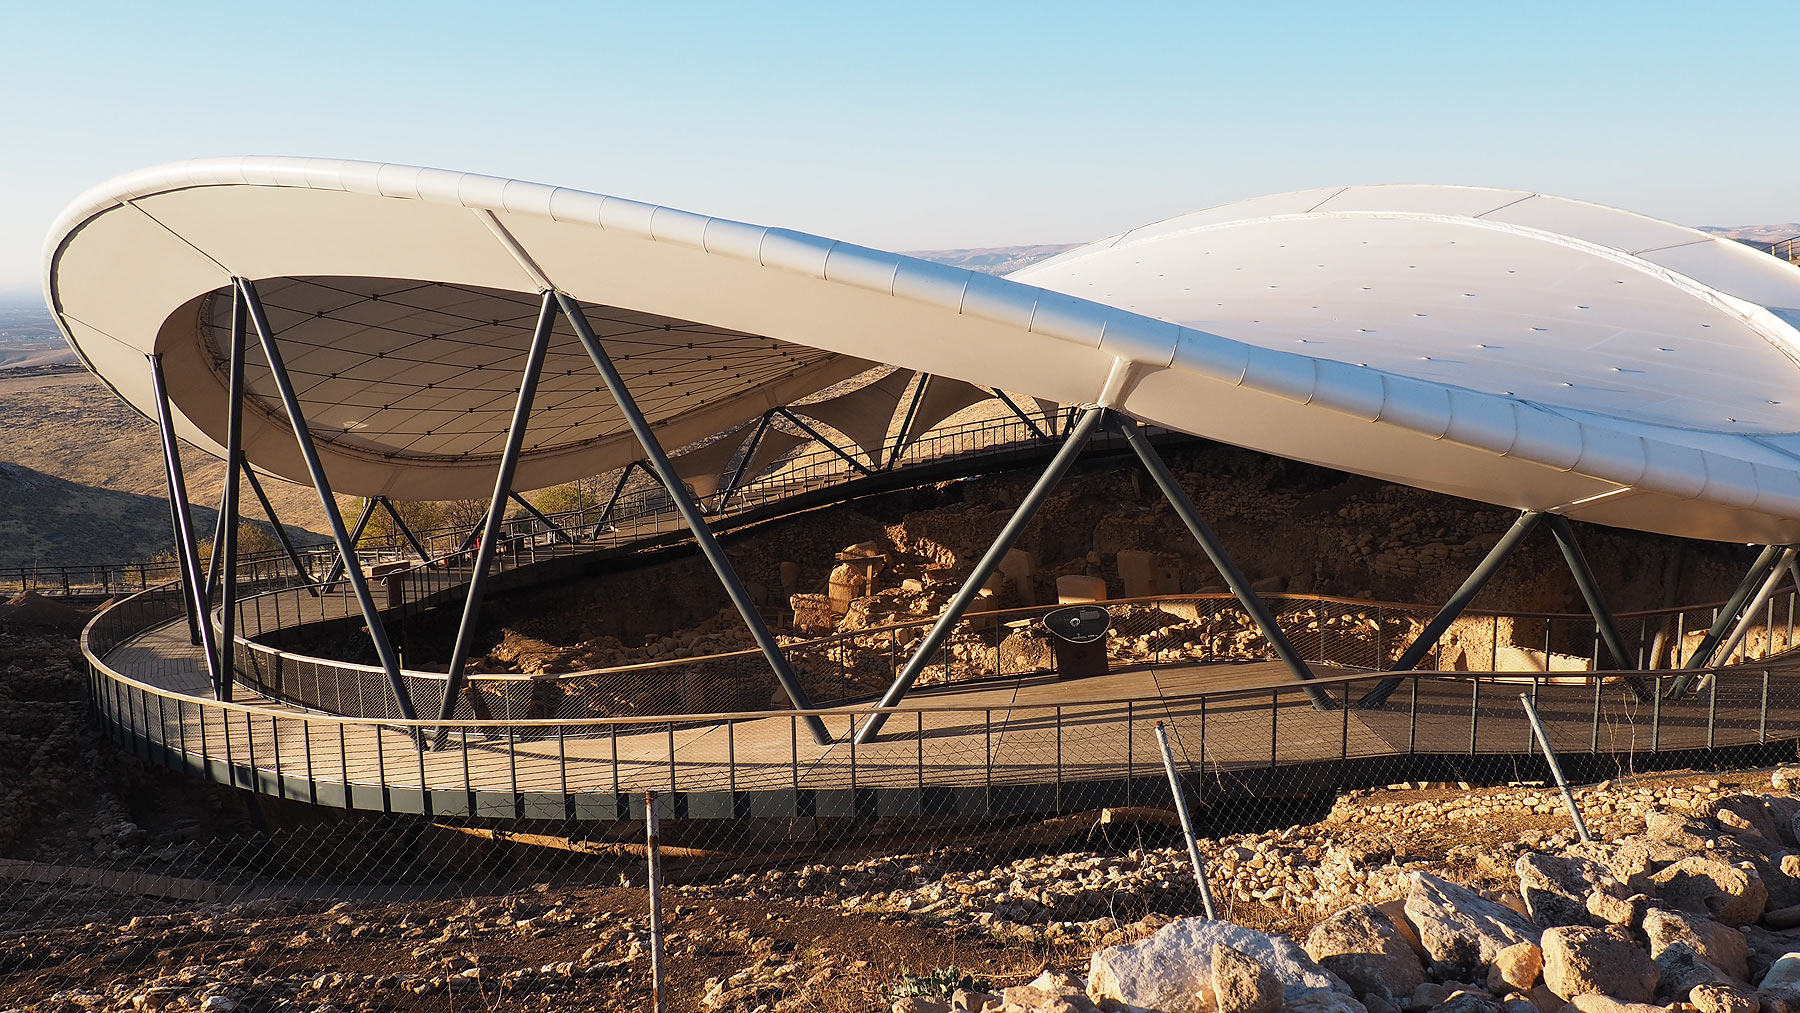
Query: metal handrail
{"x": 996, "y": 615}
{"x": 506, "y": 769}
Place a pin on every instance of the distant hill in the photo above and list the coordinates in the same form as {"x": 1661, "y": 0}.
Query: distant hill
{"x": 1759, "y": 236}
{"x": 81, "y": 478}
{"x": 994, "y": 259}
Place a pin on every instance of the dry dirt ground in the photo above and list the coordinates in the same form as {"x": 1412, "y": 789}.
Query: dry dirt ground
{"x": 304, "y": 910}
{"x": 81, "y": 478}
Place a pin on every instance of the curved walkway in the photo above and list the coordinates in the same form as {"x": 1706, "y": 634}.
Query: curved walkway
{"x": 992, "y": 741}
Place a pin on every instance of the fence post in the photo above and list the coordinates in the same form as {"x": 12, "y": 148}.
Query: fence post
{"x": 1537, "y": 728}
{"x": 654, "y": 857}
{"x": 1187, "y": 824}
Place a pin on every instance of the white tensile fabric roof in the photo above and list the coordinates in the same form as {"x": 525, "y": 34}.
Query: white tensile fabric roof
{"x": 1510, "y": 347}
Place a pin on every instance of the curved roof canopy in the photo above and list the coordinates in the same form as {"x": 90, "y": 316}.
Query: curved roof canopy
{"x": 1515, "y": 348}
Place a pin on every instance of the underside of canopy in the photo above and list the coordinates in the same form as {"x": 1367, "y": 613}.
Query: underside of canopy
{"x": 1519, "y": 349}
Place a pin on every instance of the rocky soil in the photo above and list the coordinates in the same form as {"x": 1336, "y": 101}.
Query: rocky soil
{"x": 1419, "y": 898}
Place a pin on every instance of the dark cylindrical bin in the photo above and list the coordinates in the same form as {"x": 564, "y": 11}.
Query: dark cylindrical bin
{"x": 1078, "y": 640}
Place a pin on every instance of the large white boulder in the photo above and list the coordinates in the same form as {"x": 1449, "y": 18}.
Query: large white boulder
{"x": 1169, "y": 970}
{"x": 1459, "y": 928}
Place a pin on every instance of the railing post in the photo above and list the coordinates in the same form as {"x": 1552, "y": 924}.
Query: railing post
{"x": 1537, "y": 728}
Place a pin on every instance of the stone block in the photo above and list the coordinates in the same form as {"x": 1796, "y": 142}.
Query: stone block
{"x": 1075, "y": 589}
{"x": 1021, "y": 568}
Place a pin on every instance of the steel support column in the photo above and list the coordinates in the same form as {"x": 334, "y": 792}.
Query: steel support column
{"x": 1590, "y": 590}
{"x": 400, "y": 522}
{"x": 690, "y": 514}
{"x": 496, "y": 515}
{"x": 555, "y": 528}
{"x": 1215, "y": 551}
{"x": 356, "y": 533}
{"x": 1471, "y": 586}
{"x": 1755, "y": 605}
{"x": 1702, "y": 655}
{"x": 1077, "y": 441}
{"x": 814, "y": 433}
{"x": 287, "y": 544}
{"x": 218, "y": 553}
{"x": 613, "y": 500}
{"x": 750, "y": 448}
{"x": 912, "y": 408}
{"x": 201, "y": 623}
{"x": 228, "y": 516}
{"x": 384, "y": 649}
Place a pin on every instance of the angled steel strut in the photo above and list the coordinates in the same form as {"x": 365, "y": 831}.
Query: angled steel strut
{"x": 1767, "y": 560}
{"x": 290, "y": 401}
{"x": 496, "y": 514}
{"x": 287, "y": 544}
{"x": 1471, "y": 586}
{"x": 1786, "y": 561}
{"x": 356, "y": 533}
{"x": 1590, "y": 591}
{"x": 228, "y": 510}
{"x": 400, "y": 522}
{"x": 690, "y": 514}
{"x": 990, "y": 561}
{"x": 200, "y": 628}
{"x": 1215, "y": 551}
{"x": 555, "y": 528}
{"x": 1484, "y": 571}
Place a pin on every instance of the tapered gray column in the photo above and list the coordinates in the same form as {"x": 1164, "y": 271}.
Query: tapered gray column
{"x": 490, "y": 531}
{"x": 356, "y": 533}
{"x": 228, "y": 515}
{"x": 287, "y": 544}
{"x": 1590, "y": 590}
{"x": 750, "y": 448}
{"x": 1471, "y": 586}
{"x": 1215, "y": 551}
{"x": 690, "y": 514}
{"x": 407, "y": 532}
{"x": 940, "y": 631}
{"x": 555, "y": 528}
{"x": 384, "y": 649}
{"x": 1728, "y": 615}
{"x": 1722, "y": 656}
{"x": 201, "y": 625}
{"x": 1596, "y": 602}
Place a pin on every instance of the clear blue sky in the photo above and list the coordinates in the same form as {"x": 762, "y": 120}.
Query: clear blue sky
{"x": 923, "y": 125}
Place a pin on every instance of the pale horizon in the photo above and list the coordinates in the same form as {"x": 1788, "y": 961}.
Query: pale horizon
{"x": 939, "y": 128}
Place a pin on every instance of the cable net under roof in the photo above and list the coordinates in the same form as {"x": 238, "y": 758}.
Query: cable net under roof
{"x": 428, "y": 370}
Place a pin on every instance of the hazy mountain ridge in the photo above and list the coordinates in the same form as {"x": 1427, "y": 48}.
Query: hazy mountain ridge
{"x": 994, "y": 259}
{"x": 1759, "y": 236}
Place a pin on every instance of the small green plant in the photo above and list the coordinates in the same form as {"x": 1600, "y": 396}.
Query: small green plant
{"x": 938, "y": 984}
